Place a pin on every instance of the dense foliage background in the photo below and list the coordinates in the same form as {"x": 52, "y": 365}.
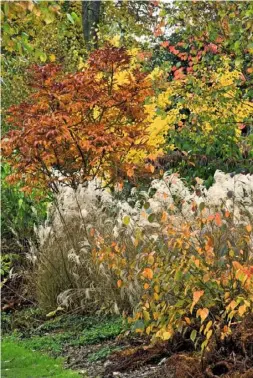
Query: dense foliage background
{"x": 127, "y": 160}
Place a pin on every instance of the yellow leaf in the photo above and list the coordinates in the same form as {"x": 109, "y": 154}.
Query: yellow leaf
{"x": 166, "y": 335}
{"x": 208, "y": 326}
{"x": 227, "y": 295}
{"x": 199, "y": 181}
{"x": 139, "y": 330}
{"x": 151, "y": 259}
{"x": 30, "y": 6}
{"x": 146, "y": 316}
{"x": 209, "y": 334}
{"x": 148, "y": 330}
{"x": 115, "y": 41}
{"x": 146, "y": 286}
{"x": 52, "y": 58}
{"x": 53, "y": 313}
{"x": 156, "y": 288}
{"x": 156, "y": 296}
{"x": 242, "y": 309}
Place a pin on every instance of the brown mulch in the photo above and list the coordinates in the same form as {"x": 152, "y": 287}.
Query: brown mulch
{"x": 231, "y": 358}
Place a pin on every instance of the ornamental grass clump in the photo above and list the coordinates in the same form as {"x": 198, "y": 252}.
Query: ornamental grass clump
{"x": 176, "y": 260}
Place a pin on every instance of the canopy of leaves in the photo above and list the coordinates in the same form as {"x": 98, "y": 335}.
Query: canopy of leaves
{"x": 78, "y": 126}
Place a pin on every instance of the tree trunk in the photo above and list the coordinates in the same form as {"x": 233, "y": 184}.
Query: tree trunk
{"x": 85, "y": 18}
{"x": 90, "y": 17}
{"x": 95, "y": 21}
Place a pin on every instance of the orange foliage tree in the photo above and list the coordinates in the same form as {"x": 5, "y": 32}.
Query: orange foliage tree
{"x": 75, "y": 127}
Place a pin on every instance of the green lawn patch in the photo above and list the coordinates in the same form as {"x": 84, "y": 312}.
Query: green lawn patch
{"x": 18, "y": 362}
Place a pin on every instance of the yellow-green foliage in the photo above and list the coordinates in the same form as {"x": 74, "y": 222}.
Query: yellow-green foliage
{"x": 213, "y": 109}
{"x": 196, "y": 275}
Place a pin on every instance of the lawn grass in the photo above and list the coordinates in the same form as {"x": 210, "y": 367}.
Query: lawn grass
{"x": 18, "y": 362}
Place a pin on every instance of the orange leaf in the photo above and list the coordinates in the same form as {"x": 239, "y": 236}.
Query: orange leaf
{"x": 150, "y": 168}
{"x": 197, "y": 295}
{"x": 120, "y": 186}
{"x": 203, "y": 313}
{"x": 130, "y": 172}
{"x": 148, "y": 273}
{"x": 237, "y": 265}
{"x": 188, "y": 320}
{"x": 218, "y": 220}
{"x": 165, "y": 44}
{"x": 249, "y": 228}
{"x": 232, "y": 305}
{"x": 164, "y": 217}
{"x": 197, "y": 263}
{"x": 136, "y": 242}
{"x": 119, "y": 283}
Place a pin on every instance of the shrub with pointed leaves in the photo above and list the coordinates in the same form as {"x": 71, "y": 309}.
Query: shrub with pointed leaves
{"x": 78, "y": 126}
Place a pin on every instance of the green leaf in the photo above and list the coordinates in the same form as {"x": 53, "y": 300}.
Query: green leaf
{"x": 138, "y": 325}
{"x": 74, "y": 16}
{"x": 238, "y": 63}
{"x": 178, "y": 275}
{"x": 193, "y": 335}
{"x": 70, "y": 18}
{"x": 146, "y": 205}
{"x": 151, "y": 218}
{"x": 237, "y": 45}
{"x": 49, "y": 18}
{"x": 201, "y": 206}
{"x": 43, "y": 57}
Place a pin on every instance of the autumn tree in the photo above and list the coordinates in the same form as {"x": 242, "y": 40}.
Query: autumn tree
{"x": 206, "y": 110}
{"x": 76, "y": 127}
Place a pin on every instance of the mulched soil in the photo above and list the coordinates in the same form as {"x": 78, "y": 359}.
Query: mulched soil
{"x": 231, "y": 358}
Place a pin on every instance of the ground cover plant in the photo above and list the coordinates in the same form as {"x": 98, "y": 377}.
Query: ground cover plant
{"x": 52, "y": 335}
{"x": 127, "y": 187}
